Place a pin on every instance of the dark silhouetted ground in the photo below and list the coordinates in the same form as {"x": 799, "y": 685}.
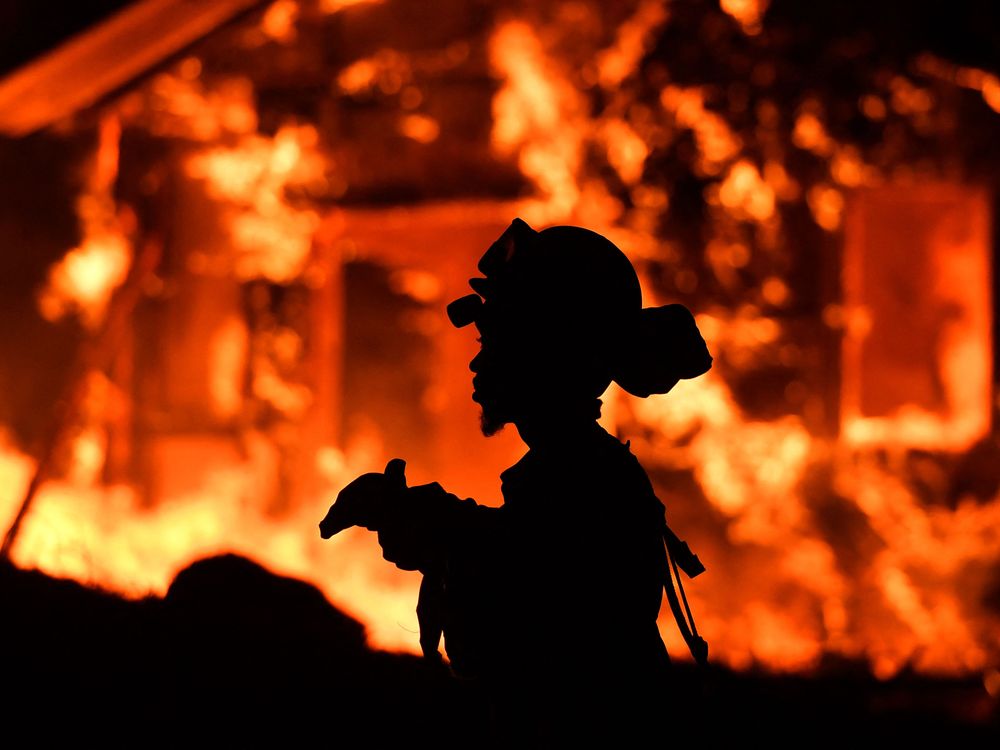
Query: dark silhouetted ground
{"x": 235, "y": 655}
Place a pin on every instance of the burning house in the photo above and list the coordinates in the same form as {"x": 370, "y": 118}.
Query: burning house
{"x": 231, "y": 229}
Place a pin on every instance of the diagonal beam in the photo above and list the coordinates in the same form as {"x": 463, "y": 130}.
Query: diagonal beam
{"x": 105, "y": 57}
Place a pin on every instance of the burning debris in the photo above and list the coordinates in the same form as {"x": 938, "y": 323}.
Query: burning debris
{"x": 822, "y": 200}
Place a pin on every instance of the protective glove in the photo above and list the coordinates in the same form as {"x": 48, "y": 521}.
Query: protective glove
{"x": 413, "y": 523}
{"x": 366, "y": 500}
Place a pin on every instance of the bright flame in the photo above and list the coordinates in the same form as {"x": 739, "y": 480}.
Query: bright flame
{"x": 787, "y": 589}
{"x": 272, "y": 238}
{"x": 749, "y": 13}
{"x": 746, "y": 194}
{"x": 716, "y": 142}
{"x": 84, "y": 280}
{"x": 181, "y": 106}
{"x": 627, "y": 152}
{"x": 102, "y": 536}
{"x": 631, "y": 42}
{"x": 536, "y": 115}
{"x": 279, "y": 20}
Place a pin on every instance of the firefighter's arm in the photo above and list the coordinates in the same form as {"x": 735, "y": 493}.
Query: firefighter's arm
{"x": 366, "y": 500}
{"x": 417, "y": 526}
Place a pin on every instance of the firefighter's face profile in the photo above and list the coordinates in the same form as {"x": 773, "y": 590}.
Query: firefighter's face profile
{"x": 514, "y": 373}
{"x": 493, "y": 384}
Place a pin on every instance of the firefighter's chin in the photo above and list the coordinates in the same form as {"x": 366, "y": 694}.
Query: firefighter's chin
{"x": 490, "y": 422}
{"x": 491, "y": 417}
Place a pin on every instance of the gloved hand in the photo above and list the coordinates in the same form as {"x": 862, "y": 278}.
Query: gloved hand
{"x": 414, "y": 531}
{"x": 366, "y": 500}
{"x": 413, "y": 523}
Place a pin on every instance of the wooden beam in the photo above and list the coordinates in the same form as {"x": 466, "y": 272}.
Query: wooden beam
{"x": 106, "y": 57}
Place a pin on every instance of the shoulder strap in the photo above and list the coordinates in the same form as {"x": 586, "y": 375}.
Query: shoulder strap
{"x": 678, "y": 556}
{"x": 697, "y": 645}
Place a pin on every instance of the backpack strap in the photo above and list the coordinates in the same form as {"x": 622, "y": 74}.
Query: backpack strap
{"x": 678, "y": 556}
{"x": 691, "y": 565}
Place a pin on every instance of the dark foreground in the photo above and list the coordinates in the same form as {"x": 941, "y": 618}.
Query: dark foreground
{"x": 235, "y": 655}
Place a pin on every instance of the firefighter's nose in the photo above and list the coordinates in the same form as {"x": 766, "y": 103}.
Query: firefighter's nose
{"x": 477, "y": 362}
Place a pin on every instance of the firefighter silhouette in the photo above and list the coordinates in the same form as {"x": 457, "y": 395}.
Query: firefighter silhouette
{"x": 550, "y": 601}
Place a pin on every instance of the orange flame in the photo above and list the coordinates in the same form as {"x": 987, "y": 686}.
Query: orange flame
{"x": 976, "y": 79}
{"x": 749, "y": 13}
{"x": 102, "y": 536}
{"x": 782, "y": 590}
{"x": 536, "y": 115}
{"x": 745, "y": 193}
{"x": 84, "y": 280}
{"x": 272, "y": 238}
{"x": 716, "y": 142}
{"x": 279, "y": 20}
{"x": 631, "y": 42}
{"x": 753, "y": 473}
